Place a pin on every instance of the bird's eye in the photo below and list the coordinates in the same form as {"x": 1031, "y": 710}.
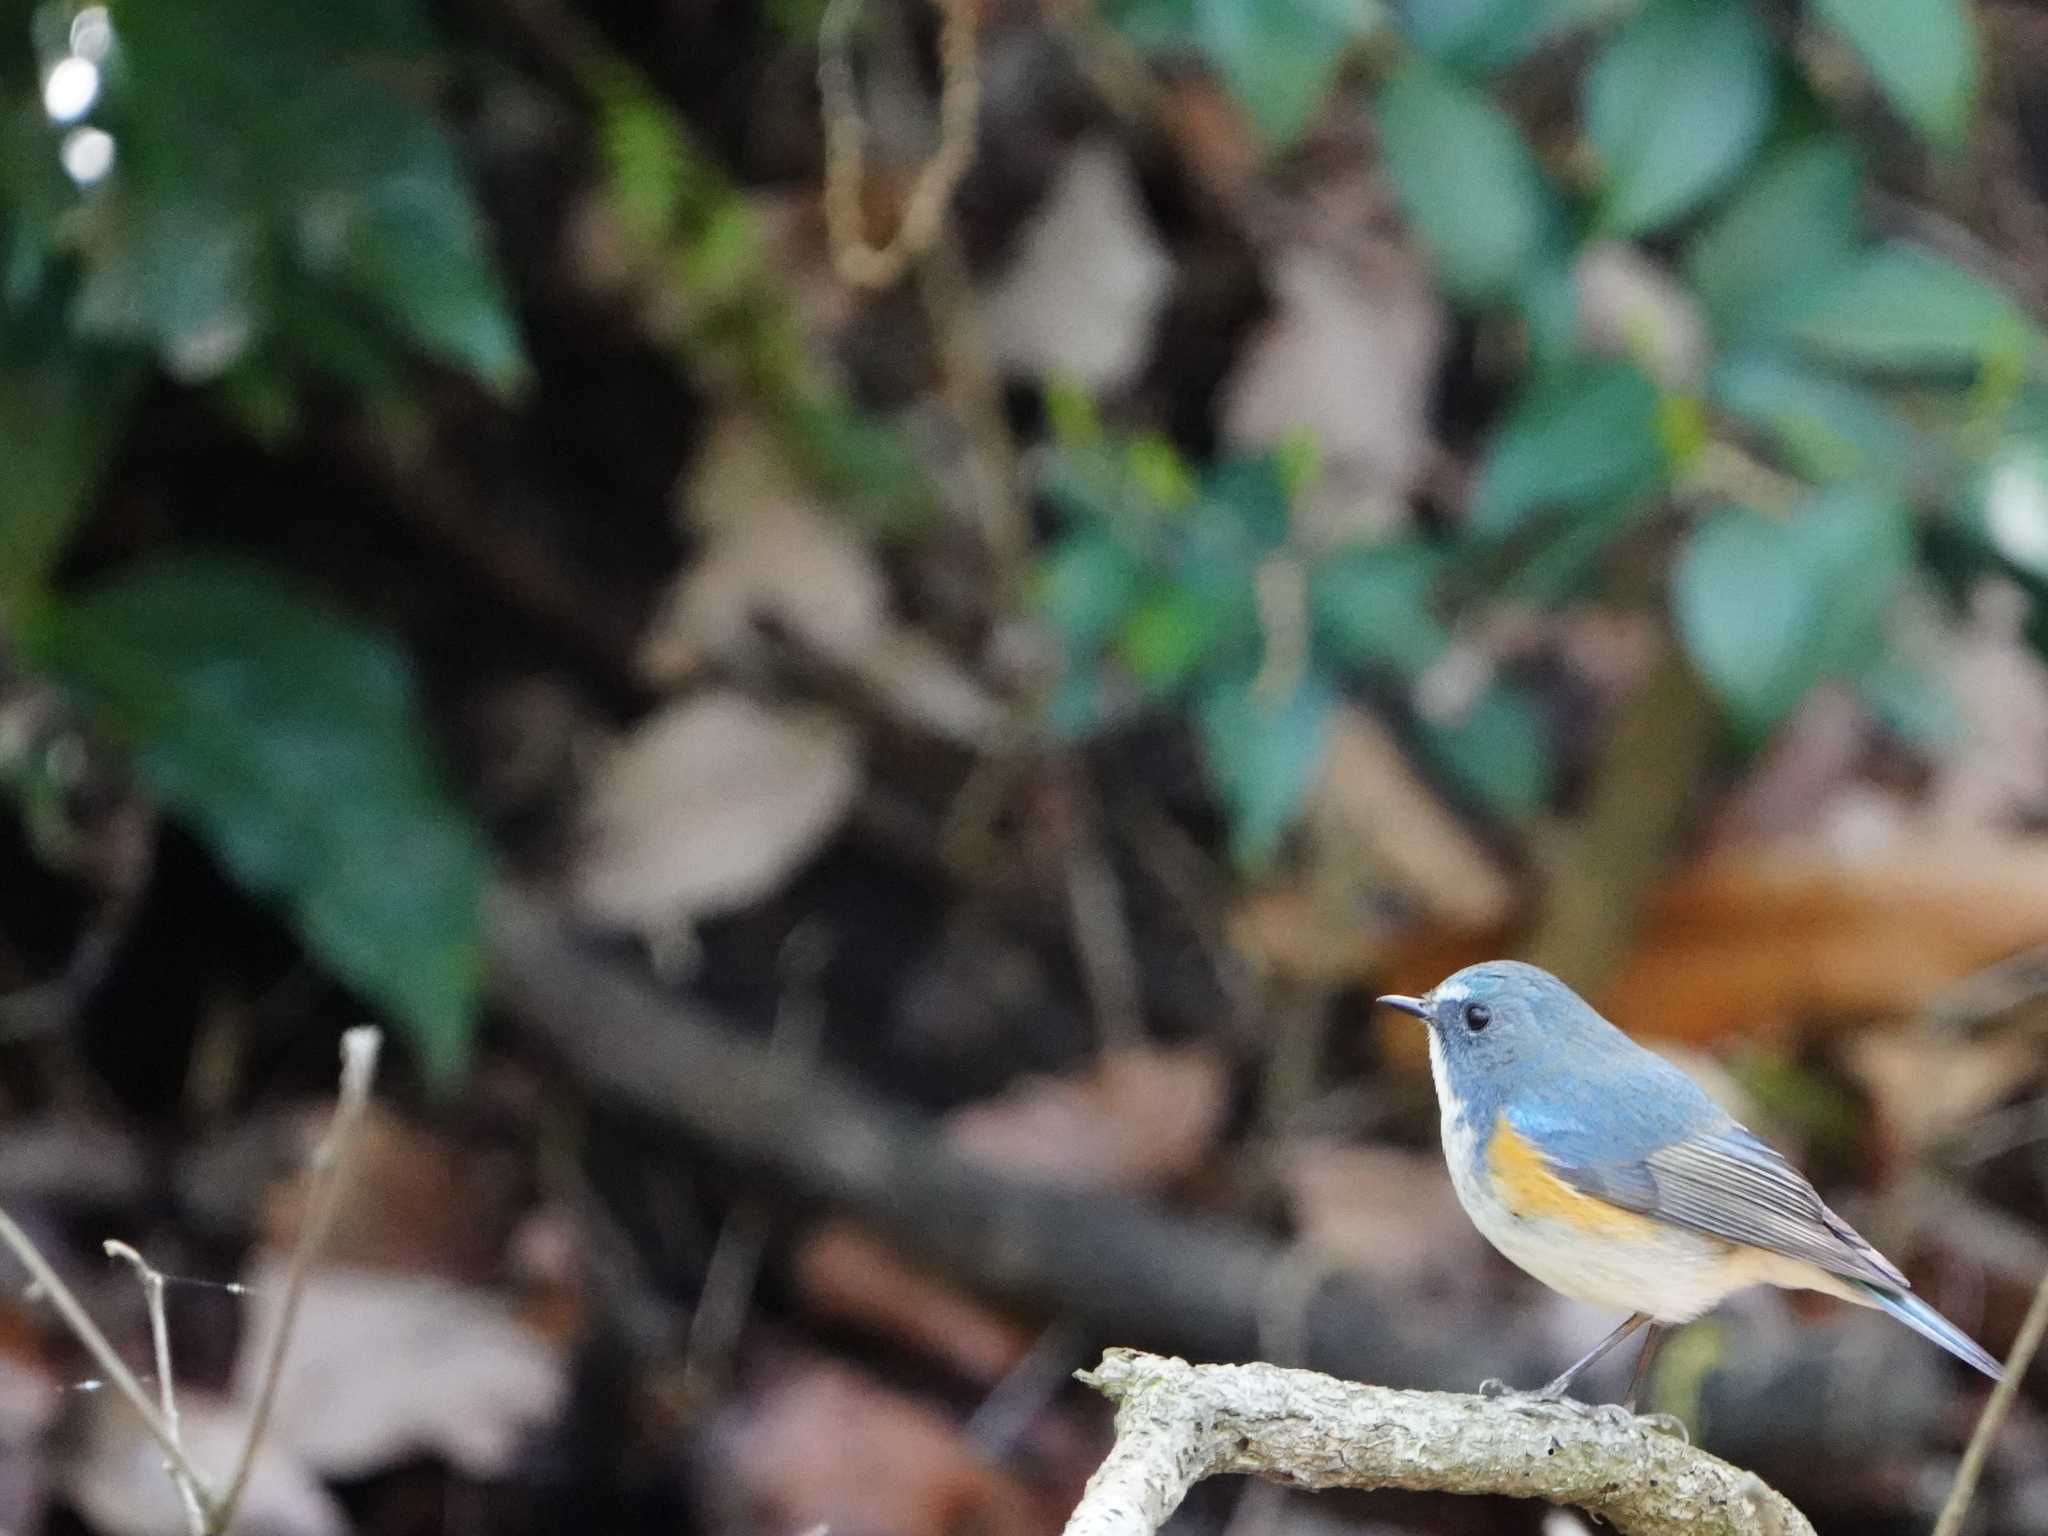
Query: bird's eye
{"x": 1477, "y": 1016}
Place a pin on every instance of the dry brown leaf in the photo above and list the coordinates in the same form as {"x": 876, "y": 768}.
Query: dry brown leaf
{"x": 413, "y": 1203}
{"x": 1138, "y": 1119}
{"x": 773, "y": 557}
{"x": 1762, "y": 938}
{"x": 115, "y": 1475}
{"x": 1369, "y": 795}
{"x": 1928, "y": 1083}
{"x": 1349, "y": 357}
{"x": 1386, "y": 1213}
{"x": 1215, "y": 139}
{"x": 920, "y": 683}
{"x": 709, "y": 805}
{"x": 1079, "y": 300}
{"x": 829, "y": 1446}
{"x": 387, "y": 1367}
{"x": 1997, "y": 776}
{"x": 847, "y": 1274}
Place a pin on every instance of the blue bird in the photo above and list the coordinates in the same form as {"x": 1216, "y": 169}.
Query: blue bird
{"x": 1609, "y": 1175}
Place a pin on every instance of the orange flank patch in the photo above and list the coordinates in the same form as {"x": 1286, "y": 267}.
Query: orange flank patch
{"x": 1525, "y": 1185}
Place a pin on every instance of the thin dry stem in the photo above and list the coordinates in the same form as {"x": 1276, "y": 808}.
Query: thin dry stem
{"x": 152, "y": 1280}
{"x": 860, "y": 262}
{"x": 87, "y": 1332}
{"x": 359, "y": 1048}
{"x": 1958, "y": 1503}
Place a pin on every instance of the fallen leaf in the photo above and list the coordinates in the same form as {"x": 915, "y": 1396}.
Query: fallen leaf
{"x": 1370, "y": 796}
{"x": 845, "y": 1273}
{"x": 708, "y": 805}
{"x": 116, "y": 1479}
{"x": 1079, "y": 300}
{"x": 1927, "y": 1083}
{"x": 1750, "y": 941}
{"x": 1387, "y": 1213}
{"x": 1137, "y": 1119}
{"x": 829, "y": 1446}
{"x": 412, "y": 1203}
{"x": 384, "y": 1367}
{"x": 1996, "y": 776}
{"x": 921, "y": 684}
{"x": 773, "y": 557}
{"x": 1349, "y": 358}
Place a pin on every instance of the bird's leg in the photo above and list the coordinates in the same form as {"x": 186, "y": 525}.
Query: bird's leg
{"x": 1556, "y": 1390}
{"x": 1653, "y": 1340}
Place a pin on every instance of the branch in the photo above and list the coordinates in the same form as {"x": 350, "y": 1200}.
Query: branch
{"x": 1118, "y": 1265}
{"x": 1178, "y": 1423}
{"x": 359, "y": 1048}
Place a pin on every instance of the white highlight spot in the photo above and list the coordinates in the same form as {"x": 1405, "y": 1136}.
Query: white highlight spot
{"x": 70, "y": 88}
{"x": 87, "y": 155}
{"x": 2016, "y": 507}
{"x": 92, "y": 33}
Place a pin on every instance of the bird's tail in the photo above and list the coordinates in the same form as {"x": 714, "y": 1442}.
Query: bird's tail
{"x": 1928, "y": 1323}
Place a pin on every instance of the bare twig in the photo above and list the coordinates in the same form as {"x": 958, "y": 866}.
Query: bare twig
{"x": 2016, "y": 1364}
{"x": 860, "y": 262}
{"x": 359, "y": 1048}
{"x": 1179, "y": 1423}
{"x": 167, "y": 1393}
{"x": 1101, "y": 934}
{"x": 87, "y": 1332}
{"x": 735, "y": 1265}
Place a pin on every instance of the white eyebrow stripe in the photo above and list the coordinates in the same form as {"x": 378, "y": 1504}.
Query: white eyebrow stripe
{"x": 1451, "y": 993}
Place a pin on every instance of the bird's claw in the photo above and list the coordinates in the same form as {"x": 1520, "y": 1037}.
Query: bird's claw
{"x": 1540, "y": 1401}
{"x": 1615, "y": 1415}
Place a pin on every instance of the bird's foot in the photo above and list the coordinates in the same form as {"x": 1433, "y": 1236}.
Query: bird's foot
{"x": 1664, "y": 1424}
{"x": 1543, "y": 1398}
{"x": 1552, "y": 1397}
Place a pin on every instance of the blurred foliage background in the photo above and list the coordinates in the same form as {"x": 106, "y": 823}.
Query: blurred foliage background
{"x": 871, "y": 625}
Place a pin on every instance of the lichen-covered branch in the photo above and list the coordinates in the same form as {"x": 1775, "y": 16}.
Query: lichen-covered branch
{"x": 1178, "y": 1423}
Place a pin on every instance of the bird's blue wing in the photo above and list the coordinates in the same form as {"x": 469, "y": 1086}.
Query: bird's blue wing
{"x": 1722, "y": 1181}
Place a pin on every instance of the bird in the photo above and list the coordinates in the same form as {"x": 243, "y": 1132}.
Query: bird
{"x": 1608, "y": 1174}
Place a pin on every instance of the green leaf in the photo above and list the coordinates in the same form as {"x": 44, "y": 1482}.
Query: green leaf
{"x": 264, "y": 146}
{"x": 1582, "y": 436}
{"x": 1913, "y": 704}
{"x": 1499, "y": 750}
{"x": 1262, "y": 756}
{"x": 1677, "y": 101}
{"x": 1465, "y": 181}
{"x": 1828, "y": 428}
{"x": 1475, "y": 36}
{"x": 1370, "y": 607}
{"x": 1085, "y": 588}
{"x": 1172, "y": 633}
{"x": 1789, "y": 230}
{"x": 1904, "y": 310}
{"x": 1923, "y": 55}
{"x": 62, "y": 413}
{"x": 1245, "y": 505}
{"x": 1277, "y": 57}
{"x": 1769, "y": 606}
{"x": 293, "y": 742}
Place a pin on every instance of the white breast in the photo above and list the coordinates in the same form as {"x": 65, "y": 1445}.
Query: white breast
{"x": 1674, "y": 1275}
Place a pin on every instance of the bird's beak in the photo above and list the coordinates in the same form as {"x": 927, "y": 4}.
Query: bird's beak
{"x": 1414, "y": 1005}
